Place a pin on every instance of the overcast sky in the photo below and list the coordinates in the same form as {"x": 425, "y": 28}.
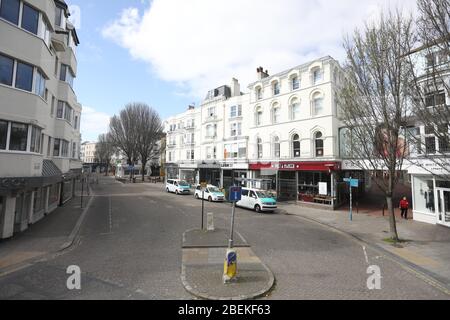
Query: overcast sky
{"x": 169, "y": 53}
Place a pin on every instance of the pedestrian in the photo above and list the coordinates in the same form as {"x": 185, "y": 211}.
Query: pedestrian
{"x": 404, "y": 206}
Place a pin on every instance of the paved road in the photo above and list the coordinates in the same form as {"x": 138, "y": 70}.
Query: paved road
{"x": 129, "y": 247}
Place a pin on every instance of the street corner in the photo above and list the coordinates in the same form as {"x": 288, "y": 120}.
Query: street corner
{"x": 203, "y": 268}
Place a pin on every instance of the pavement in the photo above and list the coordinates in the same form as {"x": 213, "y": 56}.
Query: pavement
{"x": 424, "y": 247}
{"x": 51, "y": 235}
{"x": 203, "y": 261}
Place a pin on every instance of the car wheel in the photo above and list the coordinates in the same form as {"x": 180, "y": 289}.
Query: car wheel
{"x": 167, "y": 189}
{"x": 258, "y": 208}
{"x": 210, "y": 199}
{"x": 196, "y": 196}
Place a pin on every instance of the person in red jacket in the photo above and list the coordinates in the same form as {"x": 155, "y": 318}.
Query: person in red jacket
{"x": 404, "y": 206}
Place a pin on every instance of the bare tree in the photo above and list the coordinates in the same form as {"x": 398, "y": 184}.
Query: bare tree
{"x": 373, "y": 100}
{"x": 124, "y": 134}
{"x": 105, "y": 150}
{"x": 430, "y": 86}
{"x": 150, "y": 132}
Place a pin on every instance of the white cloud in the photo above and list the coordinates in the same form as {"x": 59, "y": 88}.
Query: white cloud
{"x": 201, "y": 44}
{"x": 93, "y": 123}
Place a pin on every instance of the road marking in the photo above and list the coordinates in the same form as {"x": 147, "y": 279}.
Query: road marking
{"x": 110, "y": 216}
{"x": 365, "y": 254}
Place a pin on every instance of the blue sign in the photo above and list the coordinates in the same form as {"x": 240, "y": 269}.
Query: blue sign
{"x": 354, "y": 183}
{"x": 235, "y": 194}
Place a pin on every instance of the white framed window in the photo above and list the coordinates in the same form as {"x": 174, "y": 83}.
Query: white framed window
{"x": 276, "y": 114}
{"x": 276, "y": 88}
{"x": 296, "y": 146}
{"x": 317, "y": 76}
{"x": 235, "y": 111}
{"x": 318, "y": 144}
{"x": 39, "y": 84}
{"x": 258, "y": 116}
{"x": 236, "y": 129}
{"x": 259, "y": 146}
{"x": 66, "y": 74}
{"x": 295, "y": 81}
{"x": 295, "y": 109}
{"x": 258, "y": 93}
{"x": 276, "y": 147}
{"x": 317, "y": 104}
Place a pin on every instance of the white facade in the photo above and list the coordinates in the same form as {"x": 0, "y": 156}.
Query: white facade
{"x": 282, "y": 121}
{"x": 88, "y": 152}
{"x": 39, "y": 112}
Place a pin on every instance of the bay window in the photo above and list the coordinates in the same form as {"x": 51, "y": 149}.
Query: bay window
{"x": 3, "y": 134}
{"x": 24, "y": 76}
{"x": 18, "y": 137}
{"x": 6, "y": 70}
{"x": 56, "y": 147}
{"x": 64, "y": 148}
{"x": 66, "y": 74}
{"x": 30, "y": 19}
{"x": 236, "y": 129}
{"x": 35, "y": 143}
{"x": 39, "y": 85}
{"x": 9, "y": 10}
{"x": 236, "y": 111}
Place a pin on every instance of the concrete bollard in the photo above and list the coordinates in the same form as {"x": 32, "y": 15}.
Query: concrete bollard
{"x": 210, "y": 221}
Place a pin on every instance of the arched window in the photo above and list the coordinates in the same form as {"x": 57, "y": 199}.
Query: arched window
{"x": 260, "y": 148}
{"x": 296, "y": 146}
{"x": 275, "y": 113}
{"x": 317, "y": 76}
{"x": 276, "y": 88}
{"x": 317, "y": 104}
{"x": 318, "y": 142}
{"x": 295, "y": 83}
{"x": 276, "y": 147}
{"x": 258, "y": 116}
{"x": 295, "y": 109}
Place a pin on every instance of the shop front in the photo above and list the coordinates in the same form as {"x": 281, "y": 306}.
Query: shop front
{"x": 189, "y": 172}
{"x": 302, "y": 182}
{"x": 431, "y": 194}
{"x": 234, "y": 174}
{"x": 210, "y": 173}
{"x": 172, "y": 171}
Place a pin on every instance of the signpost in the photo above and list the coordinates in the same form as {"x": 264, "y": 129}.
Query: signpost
{"x": 230, "y": 266}
{"x": 353, "y": 183}
{"x": 203, "y": 186}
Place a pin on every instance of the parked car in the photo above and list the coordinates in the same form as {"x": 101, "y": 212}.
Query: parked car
{"x": 211, "y": 193}
{"x": 178, "y": 186}
{"x": 257, "y": 200}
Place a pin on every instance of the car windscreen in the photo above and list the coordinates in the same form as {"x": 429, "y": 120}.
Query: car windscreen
{"x": 183, "y": 184}
{"x": 214, "y": 189}
{"x": 263, "y": 195}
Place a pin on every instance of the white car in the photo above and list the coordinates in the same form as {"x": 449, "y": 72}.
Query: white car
{"x": 178, "y": 186}
{"x": 210, "y": 193}
{"x": 257, "y": 200}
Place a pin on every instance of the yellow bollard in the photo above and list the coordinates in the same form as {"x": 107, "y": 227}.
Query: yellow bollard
{"x": 230, "y": 267}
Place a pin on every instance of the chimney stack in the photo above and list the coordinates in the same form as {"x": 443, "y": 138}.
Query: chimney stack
{"x": 235, "y": 88}
{"x": 261, "y": 74}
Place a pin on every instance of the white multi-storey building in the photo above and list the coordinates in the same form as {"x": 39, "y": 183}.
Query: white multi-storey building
{"x": 39, "y": 112}
{"x": 87, "y": 151}
{"x": 281, "y": 135}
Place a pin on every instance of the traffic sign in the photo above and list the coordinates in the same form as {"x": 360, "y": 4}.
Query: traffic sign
{"x": 235, "y": 194}
{"x": 354, "y": 183}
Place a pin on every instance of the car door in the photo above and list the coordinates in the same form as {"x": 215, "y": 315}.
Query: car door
{"x": 252, "y": 199}
{"x": 244, "y": 199}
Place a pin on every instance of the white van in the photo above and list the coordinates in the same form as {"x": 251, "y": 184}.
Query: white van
{"x": 178, "y": 186}
{"x": 257, "y": 200}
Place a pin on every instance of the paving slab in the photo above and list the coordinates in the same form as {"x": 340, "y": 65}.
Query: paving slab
{"x": 202, "y": 268}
